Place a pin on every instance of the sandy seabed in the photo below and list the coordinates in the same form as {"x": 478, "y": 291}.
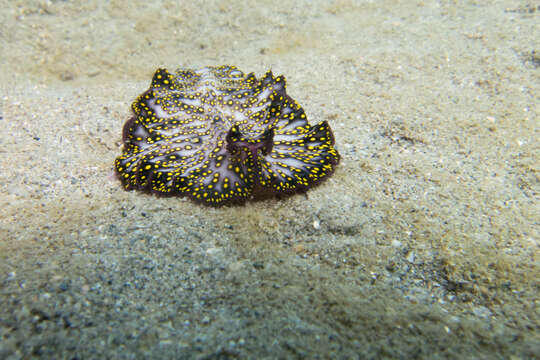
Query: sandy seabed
{"x": 424, "y": 243}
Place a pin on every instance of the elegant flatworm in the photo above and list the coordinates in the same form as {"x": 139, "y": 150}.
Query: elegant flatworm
{"x": 220, "y": 136}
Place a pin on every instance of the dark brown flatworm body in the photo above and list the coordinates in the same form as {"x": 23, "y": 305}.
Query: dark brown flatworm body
{"x": 220, "y": 136}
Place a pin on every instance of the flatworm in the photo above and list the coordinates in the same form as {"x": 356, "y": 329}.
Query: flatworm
{"x": 220, "y": 136}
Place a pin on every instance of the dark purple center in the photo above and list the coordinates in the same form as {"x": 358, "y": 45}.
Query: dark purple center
{"x": 241, "y": 145}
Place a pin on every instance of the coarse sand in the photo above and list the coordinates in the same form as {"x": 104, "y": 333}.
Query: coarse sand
{"x": 424, "y": 244}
